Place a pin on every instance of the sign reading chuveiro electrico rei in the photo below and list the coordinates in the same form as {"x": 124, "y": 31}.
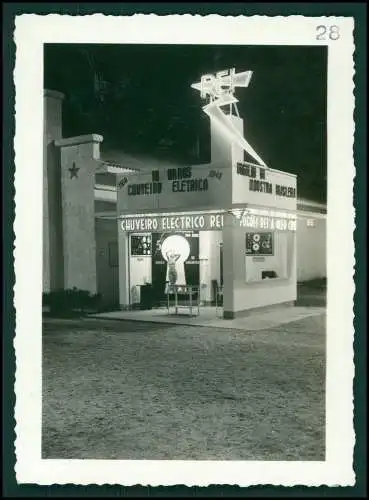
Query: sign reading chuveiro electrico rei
{"x": 197, "y": 221}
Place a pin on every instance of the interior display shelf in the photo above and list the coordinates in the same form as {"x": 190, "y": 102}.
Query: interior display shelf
{"x": 183, "y": 299}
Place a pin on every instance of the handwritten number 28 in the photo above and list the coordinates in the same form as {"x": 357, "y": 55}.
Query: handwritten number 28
{"x": 332, "y": 32}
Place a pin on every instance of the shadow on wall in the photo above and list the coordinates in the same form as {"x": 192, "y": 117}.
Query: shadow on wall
{"x": 312, "y": 293}
{"x": 53, "y": 230}
{"x": 107, "y": 263}
{"x": 70, "y": 302}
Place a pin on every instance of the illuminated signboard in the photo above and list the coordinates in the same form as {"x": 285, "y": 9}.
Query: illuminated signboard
{"x": 265, "y": 219}
{"x": 259, "y": 183}
{"x": 173, "y": 189}
{"x": 173, "y": 223}
{"x": 246, "y": 218}
{"x": 266, "y": 187}
{"x": 222, "y": 84}
{"x": 181, "y": 180}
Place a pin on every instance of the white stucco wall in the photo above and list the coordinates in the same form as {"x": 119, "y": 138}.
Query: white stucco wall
{"x": 311, "y": 246}
{"x": 267, "y": 292}
{"x": 209, "y": 262}
{"x": 277, "y": 262}
{"x": 240, "y": 295}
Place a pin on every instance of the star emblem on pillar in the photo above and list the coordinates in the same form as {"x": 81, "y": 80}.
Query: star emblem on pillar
{"x": 122, "y": 182}
{"x": 73, "y": 171}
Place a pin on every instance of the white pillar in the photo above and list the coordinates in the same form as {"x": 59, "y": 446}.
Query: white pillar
{"x": 123, "y": 253}
{"x": 205, "y": 269}
{"x": 226, "y": 153}
{"x": 78, "y": 155}
{"x": 222, "y": 149}
{"x": 228, "y": 267}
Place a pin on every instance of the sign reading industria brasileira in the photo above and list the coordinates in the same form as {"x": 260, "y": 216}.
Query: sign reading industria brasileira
{"x": 226, "y": 183}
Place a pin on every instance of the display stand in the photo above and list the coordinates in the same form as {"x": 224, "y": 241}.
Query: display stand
{"x": 185, "y": 300}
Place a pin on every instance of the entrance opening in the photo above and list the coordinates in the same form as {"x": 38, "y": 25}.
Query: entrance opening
{"x": 188, "y": 261}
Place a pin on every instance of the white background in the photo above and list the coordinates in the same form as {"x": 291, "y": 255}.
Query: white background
{"x": 31, "y": 32}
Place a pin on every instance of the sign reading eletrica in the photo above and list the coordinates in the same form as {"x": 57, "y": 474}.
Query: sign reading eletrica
{"x": 205, "y": 187}
{"x": 181, "y": 181}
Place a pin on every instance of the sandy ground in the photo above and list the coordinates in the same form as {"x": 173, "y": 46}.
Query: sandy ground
{"x": 129, "y": 390}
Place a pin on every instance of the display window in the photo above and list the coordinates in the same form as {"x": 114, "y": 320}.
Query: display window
{"x": 268, "y": 255}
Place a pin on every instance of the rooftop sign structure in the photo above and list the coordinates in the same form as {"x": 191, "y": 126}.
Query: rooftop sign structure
{"x": 220, "y": 89}
{"x": 222, "y": 85}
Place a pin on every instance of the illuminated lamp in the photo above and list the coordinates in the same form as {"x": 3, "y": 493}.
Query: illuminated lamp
{"x": 175, "y": 250}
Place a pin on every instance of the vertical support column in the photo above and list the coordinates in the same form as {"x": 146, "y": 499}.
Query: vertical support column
{"x": 220, "y": 144}
{"x": 52, "y": 219}
{"x": 78, "y": 206}
{"x": 205, "y": 260}
{"x": 237, "y": 151}
{"x": 123, "y": 253}
{"x": 228, "y": 267}
{"x": 222, "y": 149}
{"x": 294, "y": 267}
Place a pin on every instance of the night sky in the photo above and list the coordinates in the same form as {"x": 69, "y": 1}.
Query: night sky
{"x": 138, "y": 97}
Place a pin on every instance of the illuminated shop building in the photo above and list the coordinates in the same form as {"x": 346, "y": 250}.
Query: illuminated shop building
{"x": 234, "y": 223}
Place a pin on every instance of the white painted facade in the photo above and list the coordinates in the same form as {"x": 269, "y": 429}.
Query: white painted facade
{"x": 311, "y": 245}
{"x": 245, "y": 287}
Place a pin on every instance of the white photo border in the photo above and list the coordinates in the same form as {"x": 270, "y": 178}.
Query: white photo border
{"x": 31, "y": 32}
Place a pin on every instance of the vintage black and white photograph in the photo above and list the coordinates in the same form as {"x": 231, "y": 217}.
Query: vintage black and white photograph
{"x": 185, "y": 261}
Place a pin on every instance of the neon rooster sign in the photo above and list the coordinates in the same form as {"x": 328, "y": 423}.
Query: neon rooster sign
{"x": 219, "y": 89}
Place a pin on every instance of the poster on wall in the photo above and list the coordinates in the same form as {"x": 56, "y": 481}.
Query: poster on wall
{"x": 260, "y": 243}
{"x": 140, "y": 245}
{"x": 175, "y": 260}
